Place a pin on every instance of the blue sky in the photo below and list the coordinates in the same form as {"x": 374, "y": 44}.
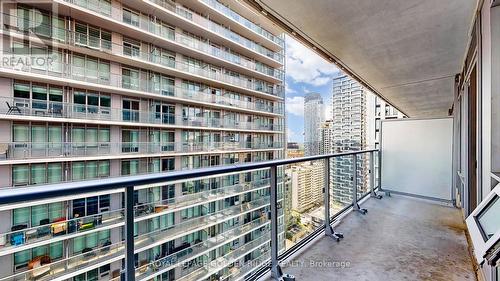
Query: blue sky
{"x": 305, "y": 72}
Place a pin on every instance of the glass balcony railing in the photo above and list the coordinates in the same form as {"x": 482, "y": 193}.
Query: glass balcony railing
{"x": 59, "y": 227}
{"x": 248, "y": 24}
{"x": 79, "y": 74}
{"x": 217, "y": 28}
{"x": 54, "y": 67}
{"x": 250, "y": 234}
{"x": 147, "y": 25}
{"x": 178, "y": 259}
{"x": 204, "y": 271}
{"x": 54, "y": 109}
{"x": 148, "y": 240}
{"x": 84, "y": 41}
{"x": 40, "y": 150}
{"x": 239, "y": 270}
{"x": 58, "y": 269}
{"x": 169, "y": 205}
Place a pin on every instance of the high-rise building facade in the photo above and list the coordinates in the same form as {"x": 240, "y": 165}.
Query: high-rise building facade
{"x": 107, "y": 88}
{"x": 379, "y": 111}
{"x": 313, "y": 117}
{"x": 347, "y": 131}
{"x": 383, "y": 111}
{"x": 307, "y": 181}
{"x": 326, "y": 133}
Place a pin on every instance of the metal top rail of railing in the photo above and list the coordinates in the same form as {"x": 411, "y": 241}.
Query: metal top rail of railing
{"x": 128, "y": 184}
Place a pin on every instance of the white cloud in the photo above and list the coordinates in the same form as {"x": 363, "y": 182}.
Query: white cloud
{"x": 320, "y": 81}
{"x": 295, "y": 106}
{"x": 289, "y": 90}
{"x": 303, "y": 65}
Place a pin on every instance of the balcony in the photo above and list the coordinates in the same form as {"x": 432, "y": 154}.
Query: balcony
{"x": 25, "y": 151}
{"x": 434, "y": 171}
{"x": 244, "y": 22}
{"x": 169, "y": 38}
{"x": 30, "y": 109}
{"x": 393, "y": 241}
{"x": 425, "y": 231}
{"x": 190, "y": 21}
{"x": 219, "y": 29}
{"x": 61, "y": 37}
{"x": 255, "y": 230}
{"x": 54, "y": 68}
{"x": 58, "y": 230}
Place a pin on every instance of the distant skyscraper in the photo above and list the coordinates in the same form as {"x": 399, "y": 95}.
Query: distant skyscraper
{"x": 313, "y": 117}
{"x": 353, "y": 124}
{"x": 326, "y": 132}
{"x": 346, "y": 132}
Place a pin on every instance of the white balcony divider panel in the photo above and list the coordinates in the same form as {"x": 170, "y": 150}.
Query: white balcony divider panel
{"x": 417, "y": 157}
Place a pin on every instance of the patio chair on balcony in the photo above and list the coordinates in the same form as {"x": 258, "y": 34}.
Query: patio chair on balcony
{"x": 106, "y": 246}
{"x": 12, "y": 108}
{"x": 88, "y": 252}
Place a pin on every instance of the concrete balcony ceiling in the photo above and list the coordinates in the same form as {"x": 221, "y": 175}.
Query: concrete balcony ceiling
{"x": 407, "y": 51}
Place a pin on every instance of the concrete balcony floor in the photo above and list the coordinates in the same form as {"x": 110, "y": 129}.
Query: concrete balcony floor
{"x": 400, "y": 238}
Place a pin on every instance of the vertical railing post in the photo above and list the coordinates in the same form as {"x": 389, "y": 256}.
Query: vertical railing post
{"x": 372, "y": 173}
{"x": 373, "y": 184}
{"x": 354, "y": 180}
{"x": 129, "y": 234}
{"x": 276, "y": 272}
{"x": 326, "y": 194}
{"x": 328, "y": 228}
{"x": 379, "y": 169}
{"x": 354, "y": 176}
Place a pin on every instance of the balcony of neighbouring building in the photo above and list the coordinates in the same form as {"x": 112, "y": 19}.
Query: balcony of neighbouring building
{"x": 39, "y": 109}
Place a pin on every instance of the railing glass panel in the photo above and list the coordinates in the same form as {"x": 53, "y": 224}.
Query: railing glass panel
{"x": 277, "y": 207}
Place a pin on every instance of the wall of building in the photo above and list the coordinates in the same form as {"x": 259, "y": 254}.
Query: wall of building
{"x": 253, "y": 122}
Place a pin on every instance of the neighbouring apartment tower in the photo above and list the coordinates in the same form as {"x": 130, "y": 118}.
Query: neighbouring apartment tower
{"x": 354, "y": 124}
{"x": 107, "y": 88}
{"x": 313, "y": 117}
{"x": 347, "y": 131}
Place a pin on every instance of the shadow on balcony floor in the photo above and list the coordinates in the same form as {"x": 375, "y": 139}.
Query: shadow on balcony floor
{"x": 399, "y": 239}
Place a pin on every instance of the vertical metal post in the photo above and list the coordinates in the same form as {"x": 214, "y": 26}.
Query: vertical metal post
{"x": 276, "y": 272}
{"x": 380, "y": 169}
{"x": 372, "y": 177}
{"x": 328, "y": 228}
{"x": 129, "y": 234}
{"x": 355, "y": 182}
{"x": 355, "y": 204}
{"x": 372, "y": 173}
{"x": 326, "y": 194}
